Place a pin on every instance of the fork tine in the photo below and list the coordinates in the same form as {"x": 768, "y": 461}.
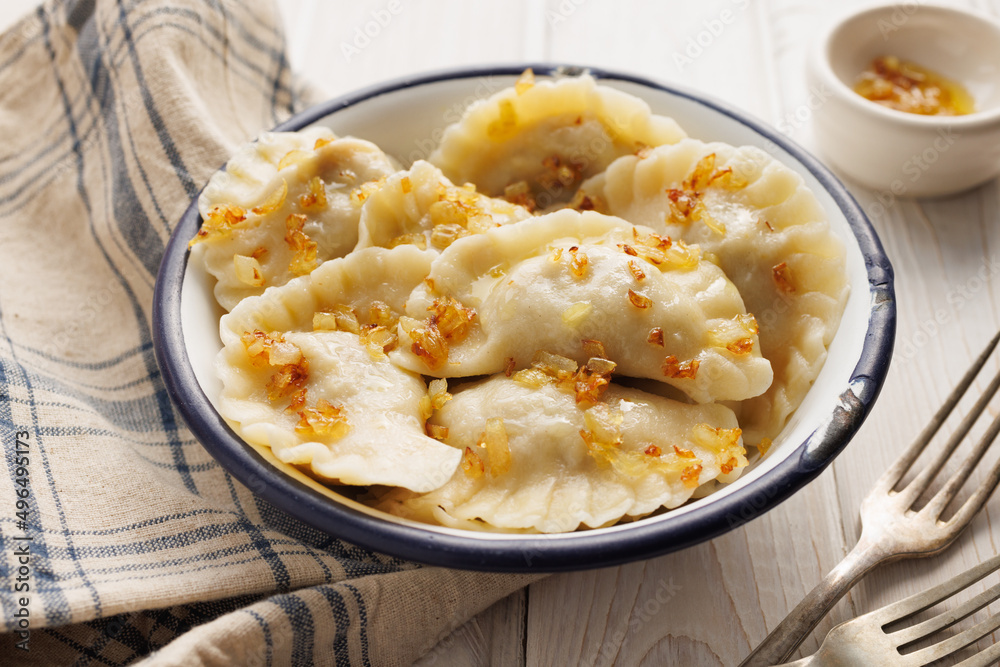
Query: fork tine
{"x": 896, "y": 471}
{"x": 920, "y": 601}
{"x": 961, "y": 640}
{"x": 920, "y": 483}
{"x": 946, "y": 619}
{"x": 943, "y": 497}
{"x": 984, "y": 658}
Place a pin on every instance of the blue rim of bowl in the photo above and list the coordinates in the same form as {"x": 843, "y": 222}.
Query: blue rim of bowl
{"x": 535, "y": 553}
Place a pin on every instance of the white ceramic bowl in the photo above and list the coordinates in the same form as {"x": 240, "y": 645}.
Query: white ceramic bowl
{"x": 406, "y": 118}
{"x": 904, "y": 153}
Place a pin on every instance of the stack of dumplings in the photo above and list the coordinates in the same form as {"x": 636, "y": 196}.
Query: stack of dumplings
{"x": 569, "y": 316}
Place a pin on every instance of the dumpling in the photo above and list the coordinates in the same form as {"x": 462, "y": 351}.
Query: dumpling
{"x": 422, "y": 207}
{"x": 536, "y": 142}
{"x": 367, "y": 287}
{"x": 254, "y": 165}
{"x": 767, "y": 232}
{"x": 260, "y": 231}
{"x": 535, "y": 459}
{"x": 305, "y": 372}
{"x": 319, "y": 399}
{"x": 569, "y": 284}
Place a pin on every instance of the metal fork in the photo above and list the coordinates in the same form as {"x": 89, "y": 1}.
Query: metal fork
{"x": 864, "y": 640}
{"x": 891, "y": 528}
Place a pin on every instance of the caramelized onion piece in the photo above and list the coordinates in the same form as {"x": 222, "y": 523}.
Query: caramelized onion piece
{"x": 783, "y": 278}
{"x": 639, "y": 300}
{"x": 687, "y": 370}
{"x": 220, "y": 223}
{"x": 325, "y": 420}
{"x": 274, "y": 201}
{"x": 472, "y": 465}
{"x": 316, "y": 197}
{"x": 248, "y": 270}
{"x": 304, "y": 248}
{"x": 494, "y": 439}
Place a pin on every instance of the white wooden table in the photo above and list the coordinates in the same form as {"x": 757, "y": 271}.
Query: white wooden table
{"x": 709, "y": 604}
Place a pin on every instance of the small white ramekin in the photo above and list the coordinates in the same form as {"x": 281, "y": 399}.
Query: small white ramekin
{"x": 908, "y": 154}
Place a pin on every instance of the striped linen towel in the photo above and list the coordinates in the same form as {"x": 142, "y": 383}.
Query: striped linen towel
{"x": 121, "y": 539}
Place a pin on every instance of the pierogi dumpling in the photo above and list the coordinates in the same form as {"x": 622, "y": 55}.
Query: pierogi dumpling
{"x": 366, "y": 287}
{"x": 535, "y": 459}
{"x": 567, "y": 283}
{"x": 768, "y": 233}
{"x": 319, "y": 399}
{"x": 534, "y": 143}
{"x": 304, "y": 372}
{"x": 422, "y": 207}
{"x": 260, "y": 232}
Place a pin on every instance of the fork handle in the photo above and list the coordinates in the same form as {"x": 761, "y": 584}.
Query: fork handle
{"x": 786, "y": 637}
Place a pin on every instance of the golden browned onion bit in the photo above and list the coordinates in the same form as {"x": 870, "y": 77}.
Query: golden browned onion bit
{"x": 293, "y": 157}
{"x": 508, "y": 366}
{"x": 494, "y": 440}
{"x": 316, "y": 197}
{"x": 525, "y": 82}
{"x": 378, "y": 340}
{"x": 429, "y": 345}
{"x": 690, "y": 475}
{"x": 451, "y": 318}
{"x": 558, "y": 173}
{"x": 274, "y": 201}
{"x": 248, "y": 270}
{"x": 325, "y": 420}
{"x": 640, "y": 301}
{"x": 592, "y": 380}
{"x": 219, "y": 224}
{"x": 472, "y": 465}
{"x": 594, "y": 348}
{"x": 437, "y": 431}
{"x": 673, "y": 368}
{"x": 578, "y": 262}
{"x": 289, "y": 379}
{"x": 505, "y": 124}
{"x": 322, "y": 141}
{"x": 603, "y": 436}
{"x": 686, "y": 203}
{"x": 303, "y": 248}
{"x": 782, "y": 276}
{"x": 381, "y": 313}
{"x": 366, "y": 190}
{"x": 520, "y": 193}
{"x": 725, "y": 442}
{"x": 655, "y": 336}
{"x": 636, "y": 270}
{"x": 269, "y": 349}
